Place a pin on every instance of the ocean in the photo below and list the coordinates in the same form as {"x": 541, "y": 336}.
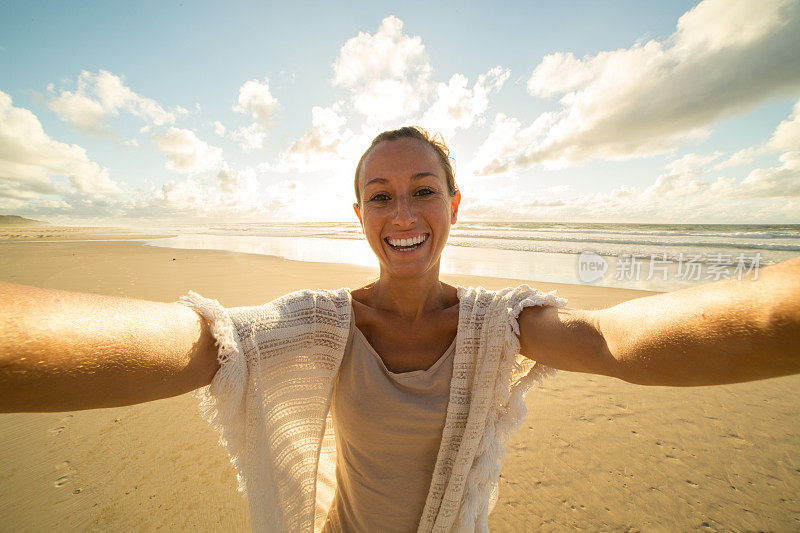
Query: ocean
{"x": 659, "y": 257}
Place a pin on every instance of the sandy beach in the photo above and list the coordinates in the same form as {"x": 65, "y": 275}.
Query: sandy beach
{"x": 594, "y": 453}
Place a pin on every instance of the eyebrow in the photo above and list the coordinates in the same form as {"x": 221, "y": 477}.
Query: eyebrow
{"x": 418, "y": 175}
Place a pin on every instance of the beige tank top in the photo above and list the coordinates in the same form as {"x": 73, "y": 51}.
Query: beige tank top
{"x": 388, "y": 430}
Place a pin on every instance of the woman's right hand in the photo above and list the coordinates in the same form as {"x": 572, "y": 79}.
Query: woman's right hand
{"x": 63, "y": 351}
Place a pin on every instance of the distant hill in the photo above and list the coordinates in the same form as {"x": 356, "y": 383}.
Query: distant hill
{"x": 15, "y": 220}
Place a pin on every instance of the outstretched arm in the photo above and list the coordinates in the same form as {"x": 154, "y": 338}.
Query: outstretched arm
{"x": 62, "y": 351}
{"x": 722, "y": 332}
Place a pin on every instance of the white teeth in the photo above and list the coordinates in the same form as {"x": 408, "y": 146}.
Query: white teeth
{"x": 406, "y": 242}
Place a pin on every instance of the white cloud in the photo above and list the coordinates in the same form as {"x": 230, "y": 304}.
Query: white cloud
{"x": 80, "y": 111}
{"x": 29, "y": 158}
{"x": 680, "y": 201}
{"x": 250, "y": 137}
{"x": 387, "y": 73}
{"x": 458, "y": 106}
{"x": 713, "y": 26}
{"x": 94, "y": 183}
{"x": 387, "y": 77}
{"x": 389, "y": 54}
{"x": 104, "y": 94}
{"x": 232, "y": 194}
{"x": 691, "y": 162}
{"x": 326, "y": 146}
{"x": 219, "y": 128}
{"x": 508, "y": 137}
{"x": 494, "y": 202}
{"x": 561, "y": 73}
{"x": 654, "y": 96}
{"x": 786, "y": 137}
{"x": 185, "y": 152}
{"x": 675, "y": 185}
{"x": 688, "y": 192}
{"x": 255, "y": 98}
{"x": 781, "y": 181}
{"x": 233, "y": 191}
{"x": 683, "y": 178}
{"x": 742, "y": 157}
{"x": 773, "y": 182}
{"x": 384, "y": 100}
{"x": 787, "y": 134}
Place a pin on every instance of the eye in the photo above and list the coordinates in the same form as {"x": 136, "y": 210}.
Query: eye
{"x": 425, "y": 191}
{"x": 380, "y": 197}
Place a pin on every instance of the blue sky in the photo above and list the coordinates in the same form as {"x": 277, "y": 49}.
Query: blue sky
{"x": 579, "y": 111}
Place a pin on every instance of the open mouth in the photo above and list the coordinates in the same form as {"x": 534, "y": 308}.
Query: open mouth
{"x": 407, "y": 245}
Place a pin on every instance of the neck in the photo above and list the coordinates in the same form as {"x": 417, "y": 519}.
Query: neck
{"x": 409, "y": 297}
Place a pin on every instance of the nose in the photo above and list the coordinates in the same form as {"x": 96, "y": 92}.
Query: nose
{"x": 404, "y": 214}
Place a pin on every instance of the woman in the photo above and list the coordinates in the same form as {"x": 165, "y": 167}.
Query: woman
{"x": 422, "y": 379}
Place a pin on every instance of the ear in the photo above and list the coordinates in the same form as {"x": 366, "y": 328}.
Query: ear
{"x": 358, "y": 214}
{"x": 454, "y": 203}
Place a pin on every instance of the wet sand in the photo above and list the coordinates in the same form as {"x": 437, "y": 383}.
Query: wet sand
{"x": 594, "y": 453}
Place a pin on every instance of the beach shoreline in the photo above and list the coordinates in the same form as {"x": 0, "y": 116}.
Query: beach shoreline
{"x": 594, "y": 452}
{"x": 655, "y": 257}
{"x": 49, "y": 233}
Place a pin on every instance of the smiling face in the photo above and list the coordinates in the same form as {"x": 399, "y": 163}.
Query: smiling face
{"x": 406, "y": 210}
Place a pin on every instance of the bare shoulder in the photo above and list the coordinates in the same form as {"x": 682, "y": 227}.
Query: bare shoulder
{"x": 451, "y": 294}
{"x": 363, "y": 311}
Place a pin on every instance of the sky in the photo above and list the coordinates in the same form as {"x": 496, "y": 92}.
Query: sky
{"x": 150, "y": 112}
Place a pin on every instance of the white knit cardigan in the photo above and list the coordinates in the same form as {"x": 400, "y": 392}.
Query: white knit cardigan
{"x": 270, "y": 399}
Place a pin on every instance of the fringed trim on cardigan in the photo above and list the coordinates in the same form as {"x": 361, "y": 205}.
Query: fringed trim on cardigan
{"x": 507, "y": 414}
{"x": 229, "y": 383}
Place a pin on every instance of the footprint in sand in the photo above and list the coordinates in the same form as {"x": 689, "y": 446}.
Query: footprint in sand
{"x": 734, "y": 436}
{"x": 62, "y": 425}
{"x": 64, "y": 472}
